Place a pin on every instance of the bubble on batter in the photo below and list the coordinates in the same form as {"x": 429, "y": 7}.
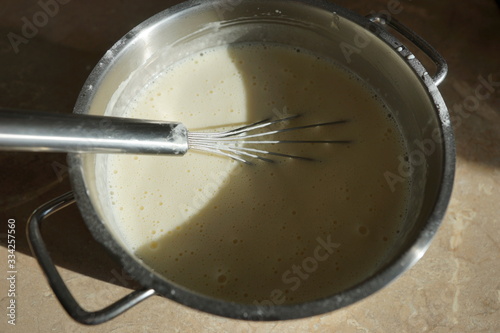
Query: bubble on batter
{"x": 363, "y": 230}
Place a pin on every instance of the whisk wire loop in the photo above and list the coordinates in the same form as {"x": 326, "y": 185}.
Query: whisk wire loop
{"x": 233, "y": 143}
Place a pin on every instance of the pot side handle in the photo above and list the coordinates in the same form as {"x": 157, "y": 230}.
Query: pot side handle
{"x": 441, "y": 65}
{"x": 57, "y": 284}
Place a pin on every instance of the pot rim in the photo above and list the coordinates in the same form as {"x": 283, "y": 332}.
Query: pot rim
{"x": 224, "y": 308}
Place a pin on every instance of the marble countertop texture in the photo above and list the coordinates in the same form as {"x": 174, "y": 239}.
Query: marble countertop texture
{"x": 455, "y": 287}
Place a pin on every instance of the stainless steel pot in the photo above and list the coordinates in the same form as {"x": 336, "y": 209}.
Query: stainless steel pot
{"x": 361, "y": 44}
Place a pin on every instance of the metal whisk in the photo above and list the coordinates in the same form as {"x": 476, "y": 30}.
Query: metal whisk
{"x": 50, "y": 132}
{"x": 234, "y": 143}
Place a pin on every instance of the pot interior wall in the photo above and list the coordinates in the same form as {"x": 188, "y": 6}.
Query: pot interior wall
{"x": 158, "y": 43}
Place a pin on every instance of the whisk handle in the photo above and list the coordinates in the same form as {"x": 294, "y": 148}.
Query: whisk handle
{"x": 22, "y": 130}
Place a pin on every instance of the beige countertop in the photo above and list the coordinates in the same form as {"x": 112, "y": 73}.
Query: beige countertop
{"x": 455, "y": 287}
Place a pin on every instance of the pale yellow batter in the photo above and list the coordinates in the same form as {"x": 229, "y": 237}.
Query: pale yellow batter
{"x": 267, "y": 233}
